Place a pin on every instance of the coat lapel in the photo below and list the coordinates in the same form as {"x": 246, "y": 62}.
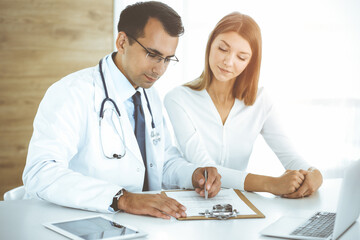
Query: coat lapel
{"x": 132, "y": 148}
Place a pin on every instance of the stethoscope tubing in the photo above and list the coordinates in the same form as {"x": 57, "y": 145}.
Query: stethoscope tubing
{"x": 101, "y": 115}
{"x": 107, "y": 98}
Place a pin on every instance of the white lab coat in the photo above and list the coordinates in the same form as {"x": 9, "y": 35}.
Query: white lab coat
{"x": 65, "y": 163}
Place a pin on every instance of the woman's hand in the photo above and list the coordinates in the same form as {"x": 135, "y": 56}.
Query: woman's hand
{"x": 312, "y": 182}
{"x": 287, "y": 183}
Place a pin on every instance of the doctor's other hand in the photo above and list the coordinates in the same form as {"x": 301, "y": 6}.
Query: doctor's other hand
{"x": 156, "y": 205}
{"x": 213, "y": 184}
{"x": 312, "y": 182}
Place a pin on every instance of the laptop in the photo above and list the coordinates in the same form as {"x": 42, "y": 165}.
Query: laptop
{"x": 324, "y": 225}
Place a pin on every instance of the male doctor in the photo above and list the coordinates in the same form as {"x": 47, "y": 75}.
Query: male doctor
{"x": 99, "y": 133}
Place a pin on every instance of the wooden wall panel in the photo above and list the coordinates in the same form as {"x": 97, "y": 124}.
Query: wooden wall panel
{"x": 42, "y": 41}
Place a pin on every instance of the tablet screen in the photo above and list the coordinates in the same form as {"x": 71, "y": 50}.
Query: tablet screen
{"x": 94, "y": 228}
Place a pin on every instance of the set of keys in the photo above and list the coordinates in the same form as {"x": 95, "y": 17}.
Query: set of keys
{"x": 221, "y": 211}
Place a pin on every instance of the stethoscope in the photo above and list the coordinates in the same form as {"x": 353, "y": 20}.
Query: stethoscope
{"x": 155, "y": 136}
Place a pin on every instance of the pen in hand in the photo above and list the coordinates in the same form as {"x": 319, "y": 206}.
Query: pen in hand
{"x": 206, "y": 191}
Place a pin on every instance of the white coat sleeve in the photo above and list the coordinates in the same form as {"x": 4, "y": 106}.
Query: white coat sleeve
{"x": 192, "y": 145}
{"x": 59, "y": 132}
{"x": 277, "y": 139}
{"x": 177, "y": 172}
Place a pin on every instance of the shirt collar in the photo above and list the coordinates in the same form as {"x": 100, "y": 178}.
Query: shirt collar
{"x": 122, "y": 86}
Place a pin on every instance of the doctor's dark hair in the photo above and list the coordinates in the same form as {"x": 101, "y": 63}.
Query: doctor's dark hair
{"x": 134, "y": 18}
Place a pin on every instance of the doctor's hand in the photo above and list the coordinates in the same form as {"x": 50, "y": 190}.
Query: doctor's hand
{"x": 213, "y": 184}
{"x": 312, "y": 182}
{"x": 156, "y": 205}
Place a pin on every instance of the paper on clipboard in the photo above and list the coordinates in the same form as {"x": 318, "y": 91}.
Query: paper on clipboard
{"x": 196, "y": 204}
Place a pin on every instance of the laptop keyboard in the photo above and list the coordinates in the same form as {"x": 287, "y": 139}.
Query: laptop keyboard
{"x": 320, "y": 225}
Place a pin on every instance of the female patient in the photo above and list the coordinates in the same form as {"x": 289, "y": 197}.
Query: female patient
{"x": 217, "y": 117}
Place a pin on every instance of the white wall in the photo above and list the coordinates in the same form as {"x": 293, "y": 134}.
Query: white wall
{"x": 311, "y": 66}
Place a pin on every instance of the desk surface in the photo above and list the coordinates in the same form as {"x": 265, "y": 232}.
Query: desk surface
{"x": 23, "y": 219}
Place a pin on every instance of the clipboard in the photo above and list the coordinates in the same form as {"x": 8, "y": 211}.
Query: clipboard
{"x": 258, "y": 213}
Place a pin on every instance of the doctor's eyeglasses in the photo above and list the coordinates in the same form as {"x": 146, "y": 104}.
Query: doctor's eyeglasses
{"x": 156, "y": 58}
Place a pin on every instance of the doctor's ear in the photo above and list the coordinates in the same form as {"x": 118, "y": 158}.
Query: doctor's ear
{"x": 120, "y": 41}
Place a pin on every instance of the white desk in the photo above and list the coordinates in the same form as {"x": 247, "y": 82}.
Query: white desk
{"x": 23, "y": 219}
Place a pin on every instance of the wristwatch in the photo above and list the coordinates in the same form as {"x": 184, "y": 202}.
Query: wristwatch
{"x": 114, "y": 204}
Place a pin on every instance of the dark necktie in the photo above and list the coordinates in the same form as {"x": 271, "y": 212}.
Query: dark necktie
{"x": 140, "y": 132}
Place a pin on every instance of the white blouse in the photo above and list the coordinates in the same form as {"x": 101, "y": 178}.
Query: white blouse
{"x": 204, "y": 139}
